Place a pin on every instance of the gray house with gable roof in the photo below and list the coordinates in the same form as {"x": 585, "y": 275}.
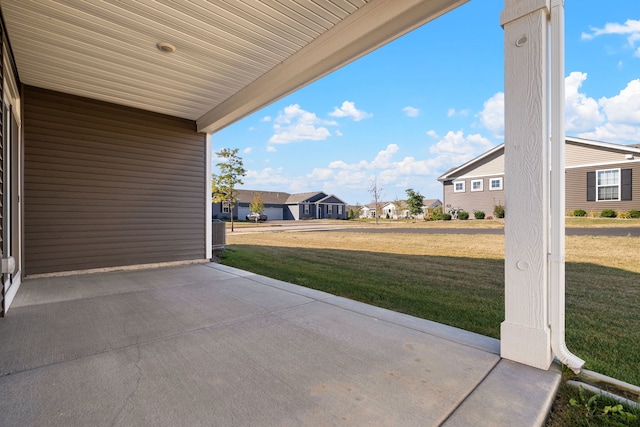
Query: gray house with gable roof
{"x": 285, "y": 206}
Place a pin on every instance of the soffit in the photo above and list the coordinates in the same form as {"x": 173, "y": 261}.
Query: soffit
{"x": 231, "y": 57}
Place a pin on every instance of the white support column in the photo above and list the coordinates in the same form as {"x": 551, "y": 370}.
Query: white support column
{"x": 525, "y": 335}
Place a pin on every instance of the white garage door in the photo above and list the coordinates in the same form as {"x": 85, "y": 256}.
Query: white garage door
{"x": 273, "y": 213}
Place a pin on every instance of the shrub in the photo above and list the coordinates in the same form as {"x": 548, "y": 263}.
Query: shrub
{"x": 445, "y": 217}
{"x": 633, "y": 213}
{"x": 498, "y": 210}
{"x": 593, "y": 214}
{"x": 463, "y": 215}
{"x": 579, "y": 212}
{"x": 478, "y": 214}
{"x": 623, "y": 215}
{"x": 608, "y": 213}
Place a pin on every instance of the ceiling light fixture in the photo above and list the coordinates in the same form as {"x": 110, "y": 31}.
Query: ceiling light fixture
{"x": 166, "y": 47}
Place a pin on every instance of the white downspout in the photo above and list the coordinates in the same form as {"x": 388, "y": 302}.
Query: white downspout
{"x": 557, "y": 191}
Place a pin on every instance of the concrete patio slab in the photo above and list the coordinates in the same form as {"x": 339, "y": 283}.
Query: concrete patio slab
{"x": 211, "y": 345}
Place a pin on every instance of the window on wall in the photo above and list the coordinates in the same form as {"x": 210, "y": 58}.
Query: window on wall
{"x": 329, "y": 209}
{"x": 306, "y": 209}
{"x": 458, "y": 187}
{"x": 495, "y": 184}
{"x": 609, "y": 185}
{"x": 476, "y": 185}
{"x": 225, "y": 207}
{"x": 339, "y": 209}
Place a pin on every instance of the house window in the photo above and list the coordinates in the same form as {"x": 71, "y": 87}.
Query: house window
{"x": 458, "y": 187}
{"x": 329, "y": 209}
{"x": 225, "y": 207}
{"x": 339, "y": 209}
{"x": 495, "y": 184}
{"x": 476, "y": 185}
{"x": 306, "y": 209}
{"x": 608, "y": 184}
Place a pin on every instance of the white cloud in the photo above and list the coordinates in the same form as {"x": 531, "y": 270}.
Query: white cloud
{"x": 295, "y": 124}
{"x": 271, "y": 149}
{"x": 411, "y": 111}
{"x": 631, "y": 28}
{"x": 622, "y": 112}
{"x": 266, "y": 119}
{"x": 383, "y": 158}
{"x": 247, "y": 150}
{"x": 581, "y": 112}
{"x": 492, "y": 115}
{"x": 348, "y": 109}
{"x": 624, "y": 108}
{"x": 432, "y": 133}
{"x": 338, "y": 133}
{"x": 453, "y": 112}
{"x": 457, "y": 148}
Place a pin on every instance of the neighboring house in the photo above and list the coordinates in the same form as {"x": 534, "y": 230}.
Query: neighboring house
{"x": 108, "y": 111}
{"x": 285, "y": 206}
{"x": 390, "y": 210}
{"x": 598, "y": 175}
{"x": 369, "y": 210}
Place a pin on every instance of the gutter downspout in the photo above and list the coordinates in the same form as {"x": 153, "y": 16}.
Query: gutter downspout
{"x": 556, "y": 259}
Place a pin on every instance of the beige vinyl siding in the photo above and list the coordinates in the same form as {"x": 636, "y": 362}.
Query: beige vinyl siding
{"x": 491, "y": 165}
{"x": 579, "y": 154}
{"x": 576, "y": 189}
{"x": 107, "y": 185}
{"x": 471, "y": 201}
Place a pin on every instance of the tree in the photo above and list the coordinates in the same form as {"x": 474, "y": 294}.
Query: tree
{"x": 398, "y": 206}
{"x": 224, "y": 184}
{"x": 414, "y": 202}
{"x": 376, "y": 193}
{"x": 257, "y": 204}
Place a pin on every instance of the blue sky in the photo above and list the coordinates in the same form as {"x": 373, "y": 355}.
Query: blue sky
{"x": 433, "y": 99}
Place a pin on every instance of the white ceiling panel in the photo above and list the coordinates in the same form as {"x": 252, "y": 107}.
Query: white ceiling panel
{"x": 231, "y": 57}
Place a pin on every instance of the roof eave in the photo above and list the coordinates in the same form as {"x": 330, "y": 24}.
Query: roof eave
{"x": 372, "y": 26}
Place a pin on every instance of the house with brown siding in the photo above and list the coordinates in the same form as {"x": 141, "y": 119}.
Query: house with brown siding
{"x": 599, "y": 176}
{"x": 109, "y": 110}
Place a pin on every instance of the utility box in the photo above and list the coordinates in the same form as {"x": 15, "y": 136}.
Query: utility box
{"x": 218, "y": 235}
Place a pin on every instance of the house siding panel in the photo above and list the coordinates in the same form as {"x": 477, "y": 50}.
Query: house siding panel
{"x": 492, "y": 165}
{"x": 576, "y": 189}
{"x": 577, "y": 154}
{"x": 471, "y": 201}
{"x": 109, "y": 186}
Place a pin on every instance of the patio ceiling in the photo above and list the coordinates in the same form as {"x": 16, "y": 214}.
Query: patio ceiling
{"x": 231, "y": 57}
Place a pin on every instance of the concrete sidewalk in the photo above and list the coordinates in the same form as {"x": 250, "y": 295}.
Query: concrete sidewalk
{"x": 208, "y": 345}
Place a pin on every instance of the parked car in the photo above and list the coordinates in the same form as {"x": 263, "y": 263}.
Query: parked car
{"x": 256, "y": 217}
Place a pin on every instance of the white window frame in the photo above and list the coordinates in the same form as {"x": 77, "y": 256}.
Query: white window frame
{"x": 330, "y": 209}
{"x": 599, "y": 186}
{"x": 491, "y": 187}
{"x": 455, "y": 185}
{"x": 475, "y": 181}
{"x": 339, "y": 209}
{"x": 306, "y": 209}
{"x": 225, "y": 207}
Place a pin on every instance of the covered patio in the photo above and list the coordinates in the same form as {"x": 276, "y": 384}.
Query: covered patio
{"x": 205, "y": 344}
{"x": 109, "y": 117}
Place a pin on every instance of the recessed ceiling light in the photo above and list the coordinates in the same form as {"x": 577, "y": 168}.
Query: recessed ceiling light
{"x": 166, "y": 47}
